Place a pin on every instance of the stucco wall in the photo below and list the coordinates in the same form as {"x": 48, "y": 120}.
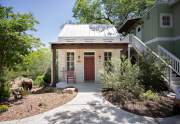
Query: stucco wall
{"x": 79, "y": 63}
{"x": 151, "y": 26}
{"x": 176, "y": 19}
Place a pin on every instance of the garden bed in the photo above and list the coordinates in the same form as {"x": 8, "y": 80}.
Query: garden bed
{"x": 35, "y": 104}
{"x": 161, "y": 108}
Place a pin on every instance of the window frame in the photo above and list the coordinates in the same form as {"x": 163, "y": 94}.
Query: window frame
{"x": 162, "y": 15}
{"x": 107, "y": 57}
{"x": 70, "y": 61}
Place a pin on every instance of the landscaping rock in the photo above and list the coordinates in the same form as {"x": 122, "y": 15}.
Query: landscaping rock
{"x": 69, "y": 90}
{"x": 171, "y": 95}
{"x": 18, "y": 85}
{"x": 26, "y": 83}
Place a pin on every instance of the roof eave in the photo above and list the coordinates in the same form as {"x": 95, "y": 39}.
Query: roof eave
{"x": 53, "y": 43}
{"x": 133, "y": 21}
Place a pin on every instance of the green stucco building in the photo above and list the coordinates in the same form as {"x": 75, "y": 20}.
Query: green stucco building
{"x": 159, "y": 25}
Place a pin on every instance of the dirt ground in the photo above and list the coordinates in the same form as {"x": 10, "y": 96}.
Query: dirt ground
{"x": 156, "y": 109}
{"x": 35, "y": 104}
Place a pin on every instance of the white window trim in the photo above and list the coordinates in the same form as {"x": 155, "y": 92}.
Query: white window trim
{"x": 171, "y": 20}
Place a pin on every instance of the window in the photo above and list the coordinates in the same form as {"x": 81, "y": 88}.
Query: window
{"x": 107, "y": 56}
{"x": 166, "y": 20}
{"x": 70, "y": 61}
{"x": 139, "y": 29}
{"x": 89, "y": 53}
{"x": 107, "y": 61}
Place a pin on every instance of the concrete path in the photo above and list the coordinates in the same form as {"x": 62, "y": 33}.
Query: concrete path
{"x": 89, "y": 107}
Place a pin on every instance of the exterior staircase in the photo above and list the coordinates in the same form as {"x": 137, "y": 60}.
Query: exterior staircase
{"x": 172, "y": 62}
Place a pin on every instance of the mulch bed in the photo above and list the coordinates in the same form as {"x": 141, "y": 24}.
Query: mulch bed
{"x": 159, "y": 109}
{"x": 35, "y": 104}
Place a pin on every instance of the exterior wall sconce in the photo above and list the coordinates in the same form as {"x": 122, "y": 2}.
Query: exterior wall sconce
{"x": 99, "y": 58}
{"x": 79, "y": 59}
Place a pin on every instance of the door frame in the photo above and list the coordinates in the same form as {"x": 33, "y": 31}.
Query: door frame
{"x": 94, "y": 64}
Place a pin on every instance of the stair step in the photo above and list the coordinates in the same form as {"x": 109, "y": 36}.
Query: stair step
{"x": 173, "y": 75}
{"x": 175, "y": 82}
{"x": 174, "y": 87}
{"x": 175, "y": 78}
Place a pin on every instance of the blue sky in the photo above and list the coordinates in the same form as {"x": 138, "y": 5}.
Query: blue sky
{"x": 51, "y": 14}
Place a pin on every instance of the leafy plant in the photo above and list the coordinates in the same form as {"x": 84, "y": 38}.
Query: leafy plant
{"x": 15, "y": 40}
{"x": 122, "y": 77}
{"x": 39, "y": 81}
{"x": 150, "y": 95}
{"x": 4, "y": 90}
{"x": 37, "y": 62}
{"x": 47, "y": 76}
{"x": 3, "y": 108}
{"x": 108, "y": 11}
{"x": 152, "y": 73}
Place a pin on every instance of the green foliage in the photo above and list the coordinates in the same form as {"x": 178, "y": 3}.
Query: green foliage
{"x": 39, "y": 81}
{"x": 149, "y": 95}
{"x": 47, "y": 76}
{"x": 15, "y": 41}
{"x": 108, "y": 11}
{"x": 3, "y": 108}
{"x": 122, "y": 77}
{"x": 36, "y": 63}
{"x": 4, "y": 90}
{"x": 152, "y": 73}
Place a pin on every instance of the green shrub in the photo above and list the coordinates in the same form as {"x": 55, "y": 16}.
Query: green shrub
{"x": 4, "y": 90}
{"x": 149, "y": 95}
{"x": 3, "y": 108}
{"x": 152, "y": 73}
{"x": 39, "y": 81}
{"x": 47, "y": 76}
{"x": 122, "y": 77}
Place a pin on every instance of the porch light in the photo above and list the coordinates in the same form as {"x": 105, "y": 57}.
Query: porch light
{"x": 79, "y": 58}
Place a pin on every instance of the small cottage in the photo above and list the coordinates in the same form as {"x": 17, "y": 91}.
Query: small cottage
{"x": 82, "y": 49}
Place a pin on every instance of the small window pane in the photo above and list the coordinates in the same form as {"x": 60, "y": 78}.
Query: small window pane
{"x": 107, "y": 56}
{"x": 70, "y": 61}
{"x": 88, "y": 53}
{"x": 166, "y": 20}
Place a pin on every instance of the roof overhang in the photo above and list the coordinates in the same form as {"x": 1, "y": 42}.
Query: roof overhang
{"x": 128, "y": 25}
{"x": 89, "y": 46}
{"x": 87, "y": 40}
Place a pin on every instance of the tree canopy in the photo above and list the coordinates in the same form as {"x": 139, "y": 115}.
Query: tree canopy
{"x": 108, "y": 11}
{"x": 15, "y": 41}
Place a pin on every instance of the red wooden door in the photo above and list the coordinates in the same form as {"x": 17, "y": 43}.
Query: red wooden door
{"x": 89, "y": 68}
